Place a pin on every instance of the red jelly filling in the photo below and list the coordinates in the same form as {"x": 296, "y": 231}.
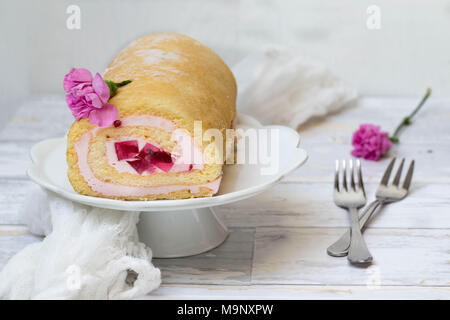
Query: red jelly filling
{"x": 147, "y": 159}
{"x": 126, "y": 149}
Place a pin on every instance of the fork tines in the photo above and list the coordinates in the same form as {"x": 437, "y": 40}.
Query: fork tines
{"x": 352, "y": 176}
{"x": 396, "y": 181}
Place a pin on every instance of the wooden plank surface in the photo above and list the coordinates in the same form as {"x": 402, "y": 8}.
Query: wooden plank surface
{"x": 296, "y": 256}
{"x": 230, "y": 263}
{"x": 278, "y": 239}
{"x": 289, "y": 205}
{"x": 401, "y": 257}
{"x": 308, "y": 292}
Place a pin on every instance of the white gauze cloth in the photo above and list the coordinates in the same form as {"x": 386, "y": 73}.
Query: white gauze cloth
{"x": 277, "y": 86}
{"x": 101, "y": 246}
{"x": 90, "y": 253}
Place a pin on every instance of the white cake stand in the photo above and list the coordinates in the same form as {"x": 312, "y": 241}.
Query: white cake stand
{"x": 175, "y": 228}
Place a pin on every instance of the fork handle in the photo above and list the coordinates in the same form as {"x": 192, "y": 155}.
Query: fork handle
{"x": 341, "y": 246}
{"x": 358, "y": 252}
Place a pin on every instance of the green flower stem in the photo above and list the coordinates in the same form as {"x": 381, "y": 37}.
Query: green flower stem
{"x": 113, "y": 86}
{"x": 407, "y": 120}
{"x": 121, "y": 84}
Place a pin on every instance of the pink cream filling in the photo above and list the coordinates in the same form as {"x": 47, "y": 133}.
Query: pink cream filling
{"x": 188, "y": 154}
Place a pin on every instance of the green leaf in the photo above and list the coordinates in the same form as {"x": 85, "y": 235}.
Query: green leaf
{"x": 123, "y": 83}
{"x": 112, "y": 88}
{"x": 394, "y": 139}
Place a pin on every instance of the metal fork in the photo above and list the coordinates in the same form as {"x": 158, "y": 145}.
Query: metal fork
{"x": 352, "y": 199}
{"x": 385, "y": 194}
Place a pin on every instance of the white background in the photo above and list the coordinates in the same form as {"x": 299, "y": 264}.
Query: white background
{"x": 409, "y": 52}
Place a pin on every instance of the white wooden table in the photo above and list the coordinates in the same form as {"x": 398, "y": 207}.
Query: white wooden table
{"x": 277, "y": 244}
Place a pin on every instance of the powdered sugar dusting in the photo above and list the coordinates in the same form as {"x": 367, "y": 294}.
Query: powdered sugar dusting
{"x": 155, "y": 56}
{"x": 156, "y": 73}
{"x": 152, "y": 59}
{"x": 170, "y": 69}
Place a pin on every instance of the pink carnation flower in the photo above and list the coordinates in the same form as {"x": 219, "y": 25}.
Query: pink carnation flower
{"x": 370, "y": 143}
{"x": 88, "y": 96}
{"x": 76, "y": 77}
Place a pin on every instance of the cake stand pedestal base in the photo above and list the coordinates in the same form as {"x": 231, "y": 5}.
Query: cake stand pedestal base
{"x": 181, "y": 233}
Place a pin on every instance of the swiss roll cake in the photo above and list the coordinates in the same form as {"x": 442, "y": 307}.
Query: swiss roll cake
{"x": 178, "y": 88}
